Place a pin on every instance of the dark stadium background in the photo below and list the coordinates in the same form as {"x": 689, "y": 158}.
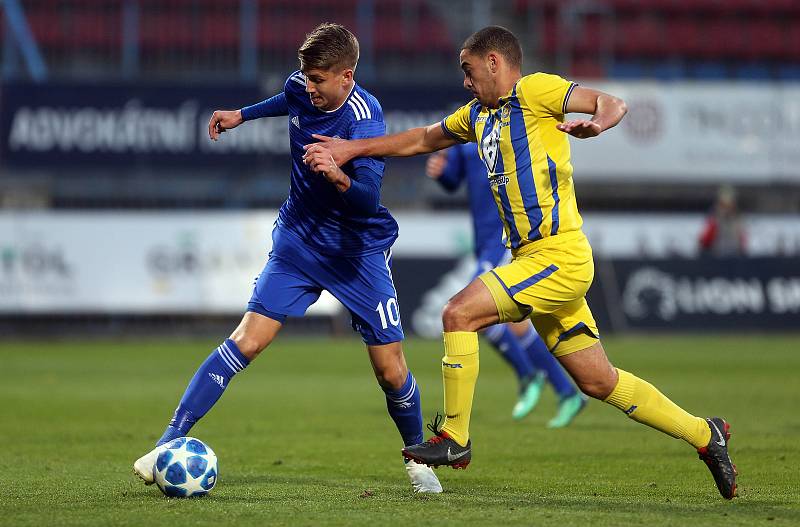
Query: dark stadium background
{"x": 103, "y": 107}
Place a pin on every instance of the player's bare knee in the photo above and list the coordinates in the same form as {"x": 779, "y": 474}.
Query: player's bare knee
{"x": 391, "y": 378}
{"x": 249, "y": 346}
{"x": 598, "y": 388}
{"x": 456, "y": 318}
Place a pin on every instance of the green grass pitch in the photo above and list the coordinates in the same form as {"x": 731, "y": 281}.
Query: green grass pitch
{"x": 303, "y": 438}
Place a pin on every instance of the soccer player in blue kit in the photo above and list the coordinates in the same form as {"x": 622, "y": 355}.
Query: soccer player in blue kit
{"x": 518, "y": 343}
{"x": 332, "y": 234}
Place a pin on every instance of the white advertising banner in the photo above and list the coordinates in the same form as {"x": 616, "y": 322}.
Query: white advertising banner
{"x": 130, "y": 262}
{"x": 697, "y": 132}
{"x": 192, "y": 262}
{"x": 206, "y": 262}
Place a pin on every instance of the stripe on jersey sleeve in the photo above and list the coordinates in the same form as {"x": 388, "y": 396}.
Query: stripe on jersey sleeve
{"x": 566, "y": 97}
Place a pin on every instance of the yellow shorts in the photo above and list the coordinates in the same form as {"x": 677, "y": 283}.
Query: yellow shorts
{"x": 547, "y": 281}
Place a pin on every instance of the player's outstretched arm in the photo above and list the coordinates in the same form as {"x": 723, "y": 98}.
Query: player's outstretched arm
{"x": 415, "y": 141}
{"x": 223, "y": 120}
{"x": 606, "y": 111}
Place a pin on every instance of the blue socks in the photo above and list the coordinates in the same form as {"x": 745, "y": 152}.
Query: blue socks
{"x": 206, "y": 388}
{"x": 404, "y": 408}
{"x": 544, "y": 361}
{"x": 508, "y": 345}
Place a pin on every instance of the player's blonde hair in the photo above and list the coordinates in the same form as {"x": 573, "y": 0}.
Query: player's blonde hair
{"x": 329, "y": 46}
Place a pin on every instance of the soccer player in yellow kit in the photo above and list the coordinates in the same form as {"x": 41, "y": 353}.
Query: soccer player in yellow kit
{"x": 519, "y": 125}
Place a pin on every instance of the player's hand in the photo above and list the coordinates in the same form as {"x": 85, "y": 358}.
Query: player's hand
{"x": 580, "y": 128}
{"x": 222, "y": 120}
{"x": 337, "y": 147}
{"x": 320, "y": 160}
{"x": 435, "y": 165}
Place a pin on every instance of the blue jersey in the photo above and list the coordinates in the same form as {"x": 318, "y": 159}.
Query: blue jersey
{"x": 315, "y": 210}
{"x": 463, "y": 164}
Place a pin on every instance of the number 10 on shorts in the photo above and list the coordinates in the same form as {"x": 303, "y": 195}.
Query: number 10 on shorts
{"x": 392, "y": 310}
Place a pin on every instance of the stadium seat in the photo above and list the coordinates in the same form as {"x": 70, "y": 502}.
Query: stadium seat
{"x": 753, "y": 71}
{"x": 709, "y": 70}
{"x": 668, "y": 70}
{"x": 640, "y": 37}
{"x": 765, "y": 39}
{"x": 590, "y": 36}
{"x": 684, "y": 37}
{"x": 627, "y": 69}
{"x": 101, "y": 29}
{"x": 790, "y": 72}
{"x": 793, "y": 42}
{"x": 587, "y": 69}
{"x": 723, "y": 39}
{"x": 162, "y": 30}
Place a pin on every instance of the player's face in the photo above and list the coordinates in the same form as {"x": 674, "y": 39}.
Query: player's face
{"x": 479, "y": 78}
{"x": 328, "y": 88}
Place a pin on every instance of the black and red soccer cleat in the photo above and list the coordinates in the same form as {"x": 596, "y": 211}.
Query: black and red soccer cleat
{"x": 441, "y": 449}
{"x": 715, "y": 455}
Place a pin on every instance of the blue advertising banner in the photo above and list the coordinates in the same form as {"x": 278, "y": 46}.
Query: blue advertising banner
{"x": 124, "y": 125}
{"x": 698, "y": 295}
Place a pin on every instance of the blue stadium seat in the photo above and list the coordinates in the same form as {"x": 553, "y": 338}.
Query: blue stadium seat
{"x": 754, "y": 71}
{"x": 709, "y": 70}
{"x": 668, "y": 70}
{"x": 627, "y": 69}
{"x": 789, "y": 72}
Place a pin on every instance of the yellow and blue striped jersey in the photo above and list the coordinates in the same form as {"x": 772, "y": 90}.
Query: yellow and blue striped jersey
{"x": 527, "y": 158}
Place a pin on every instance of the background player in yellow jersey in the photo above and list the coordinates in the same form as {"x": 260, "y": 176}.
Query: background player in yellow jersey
{"x": 518, "y": 123}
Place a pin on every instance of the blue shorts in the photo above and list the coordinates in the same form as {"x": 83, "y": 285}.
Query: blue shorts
{"x": 295, "y": 275}
{"x": 490, "y": 257}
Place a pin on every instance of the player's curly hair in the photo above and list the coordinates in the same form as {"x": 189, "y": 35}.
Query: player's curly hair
{"x": 495, "y": 38}
{"x": 328, "y": 47}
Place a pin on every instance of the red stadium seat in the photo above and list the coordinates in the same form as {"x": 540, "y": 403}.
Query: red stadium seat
{"x": 723, "y": 39}
{"x": 47, "y": 28}
{"x": 792, "y": 51}
{"x": 590, "y": 35}
{"x": 764, "y": 39}
{"x": 640, "y": 37}
{"x": 684, "y": 37}
{"x": 217, "y": 29}
{"x": 96, "y": 29}
{"x": 166, "y": 30}
{"x": 587, "y": 69}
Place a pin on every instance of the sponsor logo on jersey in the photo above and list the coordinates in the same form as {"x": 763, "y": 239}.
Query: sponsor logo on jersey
{"x": 498, "y": 180}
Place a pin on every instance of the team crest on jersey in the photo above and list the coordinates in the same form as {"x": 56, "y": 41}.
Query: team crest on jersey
{"x": 506, "y": 111}
{"x": 490, "y": 147}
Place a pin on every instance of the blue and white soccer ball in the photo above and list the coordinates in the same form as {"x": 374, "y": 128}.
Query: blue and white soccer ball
{"x": 186, "y": 467}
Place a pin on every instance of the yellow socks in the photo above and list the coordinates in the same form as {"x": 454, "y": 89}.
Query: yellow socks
{"x": 459, "y": 372}
{"x": 642, "y": 402}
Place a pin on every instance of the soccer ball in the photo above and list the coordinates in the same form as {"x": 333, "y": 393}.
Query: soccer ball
{"x": 186, "y": 467}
